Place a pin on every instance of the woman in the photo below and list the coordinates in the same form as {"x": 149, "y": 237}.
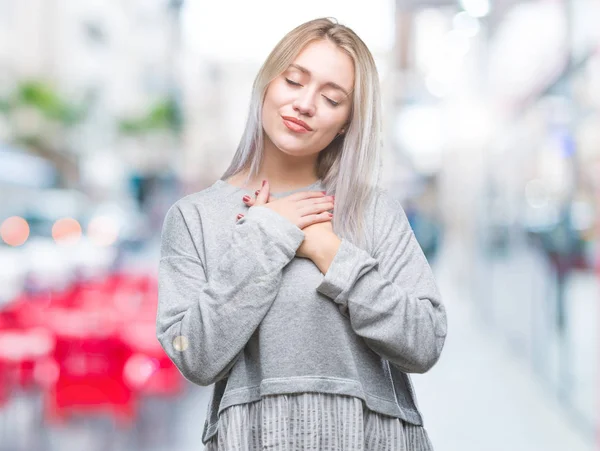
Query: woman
{"x": 306, "y": 322}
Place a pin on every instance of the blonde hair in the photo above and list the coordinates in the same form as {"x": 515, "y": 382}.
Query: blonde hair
{"x": 350, "y": 165}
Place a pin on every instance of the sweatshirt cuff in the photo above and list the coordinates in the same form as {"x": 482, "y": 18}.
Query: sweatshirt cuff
{"x": 282, "y": 230}
{"x": 349, "y": 263}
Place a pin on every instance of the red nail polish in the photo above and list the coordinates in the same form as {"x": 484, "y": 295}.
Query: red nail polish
{"x": 263, "y": 183}
{"x": 256, "y": 192}
{"x": 324, "y": 192}
{"x": 246, "y": 198}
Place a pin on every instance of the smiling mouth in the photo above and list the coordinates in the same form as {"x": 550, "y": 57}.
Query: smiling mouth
{"x": 296, "y": 125}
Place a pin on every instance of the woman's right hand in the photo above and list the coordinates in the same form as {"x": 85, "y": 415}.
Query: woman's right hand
{"x": 302, "y": 209}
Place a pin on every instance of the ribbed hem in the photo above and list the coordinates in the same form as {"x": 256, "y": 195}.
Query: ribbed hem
{"x": 321, "y": 384}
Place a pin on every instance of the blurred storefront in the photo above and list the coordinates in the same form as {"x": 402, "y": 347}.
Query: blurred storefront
{"x": 501, "y": 104}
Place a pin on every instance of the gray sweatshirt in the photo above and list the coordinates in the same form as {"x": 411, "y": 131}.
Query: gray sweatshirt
{"x": 239, "y": 310}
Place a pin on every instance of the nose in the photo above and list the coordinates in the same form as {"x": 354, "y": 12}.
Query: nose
{"x": 304, "y": 103}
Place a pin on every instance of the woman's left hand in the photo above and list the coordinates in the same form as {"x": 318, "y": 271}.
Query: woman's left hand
{"x": 316, "y": 237}
{"x": 319, "y": 239}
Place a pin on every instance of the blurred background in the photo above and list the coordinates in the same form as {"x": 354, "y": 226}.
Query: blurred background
{"x": 112, "y": 110}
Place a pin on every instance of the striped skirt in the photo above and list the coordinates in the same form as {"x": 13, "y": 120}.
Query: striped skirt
{"x": 313, "y": 421}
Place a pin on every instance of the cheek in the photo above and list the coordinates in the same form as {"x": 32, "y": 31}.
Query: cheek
{"x": 333, "y": 126}
{"x": 274, "y": 95}
{"x": 269, "y": 110}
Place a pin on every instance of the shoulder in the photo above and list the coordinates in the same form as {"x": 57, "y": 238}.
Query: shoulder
{"x": 185, "y": 213}
{"x": 183, "y": 223}
{"x": 388, "y": 213}
{"x": 207, "y": 196}
{"x": 191, "y": 204}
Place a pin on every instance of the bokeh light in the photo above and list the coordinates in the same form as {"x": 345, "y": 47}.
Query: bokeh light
{"x": 66, "y": 231}
{"x": 14, "y": 231}
{"x": 103, "y": 231}
{"x": 180, "y": 343}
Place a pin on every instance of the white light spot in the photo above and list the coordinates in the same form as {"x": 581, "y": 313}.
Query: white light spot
{"x": 180, "y": 343}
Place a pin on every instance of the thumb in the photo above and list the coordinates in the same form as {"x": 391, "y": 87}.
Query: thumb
{"x": 263, "y": 195}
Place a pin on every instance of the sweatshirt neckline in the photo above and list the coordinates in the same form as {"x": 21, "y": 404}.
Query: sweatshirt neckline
{"x": 229, "y": 188}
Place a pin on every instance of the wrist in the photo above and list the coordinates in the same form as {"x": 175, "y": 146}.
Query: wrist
{"x": 324, "y": 255}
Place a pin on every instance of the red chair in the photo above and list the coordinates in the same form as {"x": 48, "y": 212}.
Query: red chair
{"x": 100, "y": 352}
{"x": 4, "y": 384}
{"x": 149, "y": 370}
{"x": 91, "y": 361}
{"x": 20, "y": 351}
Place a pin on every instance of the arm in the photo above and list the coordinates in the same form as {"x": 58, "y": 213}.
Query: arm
{"x": 391, "y": 299}
{"x": 204, "y": 323}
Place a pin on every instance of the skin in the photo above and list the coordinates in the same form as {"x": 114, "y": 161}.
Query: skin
{"x": 290, "y": 158}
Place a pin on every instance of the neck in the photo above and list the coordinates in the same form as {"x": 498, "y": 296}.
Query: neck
{"x": 285, "y": 172}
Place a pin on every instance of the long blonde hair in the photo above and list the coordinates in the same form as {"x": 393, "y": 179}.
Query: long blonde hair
{"x": 350, "y": 165}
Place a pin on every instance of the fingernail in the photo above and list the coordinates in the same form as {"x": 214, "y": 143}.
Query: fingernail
{"x": 330, "y": 214}
{"x": 263, "y": 183}
{"x": 324, "y": 192}
{"x": 256, "y": 192}
{"x": 246, "y": 198}
{"x": 240, "y": 216}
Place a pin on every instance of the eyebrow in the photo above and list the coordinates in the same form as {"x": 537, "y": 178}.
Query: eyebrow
{"x": 329, "y": 83}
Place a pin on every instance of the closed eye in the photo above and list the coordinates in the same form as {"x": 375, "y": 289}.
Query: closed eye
{"x": 293, "y": 83}
{"x": 333, "y": 102}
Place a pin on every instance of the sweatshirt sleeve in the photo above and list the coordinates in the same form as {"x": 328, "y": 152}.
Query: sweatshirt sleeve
{"x": 202, "y": 322}
{"x": 391, "y": 298}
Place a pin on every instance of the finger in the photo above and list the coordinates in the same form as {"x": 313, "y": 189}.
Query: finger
{"x": 307, "y": 195}
{"x": 240, "y": 216}
{"x": 315, "y": 205}
{"x": 263, "y": 195}
{"x": 316, "y": 201}
{"x": 248, "y": 200}
{"x": 305, "y": 221}
{"x": 271, "y": 198}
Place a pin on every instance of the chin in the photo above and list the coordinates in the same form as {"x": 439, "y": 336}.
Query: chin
{"x": 291, "y": 148}
{"x": 293, "y": 151}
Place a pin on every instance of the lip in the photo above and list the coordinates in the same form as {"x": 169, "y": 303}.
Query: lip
{"x": 297, "y": 122}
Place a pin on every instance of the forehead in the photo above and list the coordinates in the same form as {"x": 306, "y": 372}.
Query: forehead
{"x": 328, "y": 63}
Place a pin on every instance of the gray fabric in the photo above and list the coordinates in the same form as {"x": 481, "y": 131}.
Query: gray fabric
{"x": 313, "y": 421}
{"x": 238, "y": 310}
